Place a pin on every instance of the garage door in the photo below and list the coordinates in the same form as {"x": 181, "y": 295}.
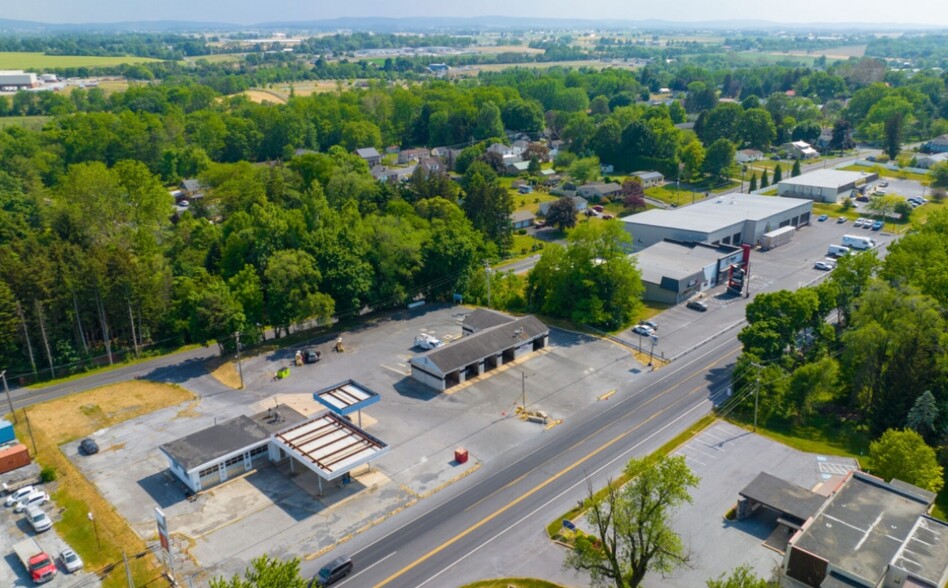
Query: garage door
{"x": 210, "y": 476}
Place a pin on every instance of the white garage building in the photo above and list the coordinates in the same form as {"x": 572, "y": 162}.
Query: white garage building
{"x": 733, "y": 219}
{"x": 825, "y": 185}
{"x": 327, "y": 443}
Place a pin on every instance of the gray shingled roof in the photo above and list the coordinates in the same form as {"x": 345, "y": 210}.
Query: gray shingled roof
{"x": 367, "y": 152}
{"x": 474, "y": 348}
{"x": 214, "y": 442}
{"x": 482, "y": 319}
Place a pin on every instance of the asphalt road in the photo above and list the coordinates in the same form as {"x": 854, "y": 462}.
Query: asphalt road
{"x": 435, "y": 541}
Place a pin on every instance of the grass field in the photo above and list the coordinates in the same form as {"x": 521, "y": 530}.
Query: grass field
{"x": 24, "y": 60}
{"x": 69, "y": 418}
{"x": 506, "y": 49}
{"x": 217, "y": 58}
{"x": 261, "y": 96}
{"x": 890, "y": 173}
{"x": 27, "y": 122}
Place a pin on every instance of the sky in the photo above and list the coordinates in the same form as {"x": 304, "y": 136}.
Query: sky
{"x": 928, "y": 12}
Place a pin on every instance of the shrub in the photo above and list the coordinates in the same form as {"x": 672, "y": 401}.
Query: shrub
{"x": 47, "y": 474}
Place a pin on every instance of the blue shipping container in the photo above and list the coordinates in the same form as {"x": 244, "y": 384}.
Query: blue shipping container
{"x": 6, "y": 432}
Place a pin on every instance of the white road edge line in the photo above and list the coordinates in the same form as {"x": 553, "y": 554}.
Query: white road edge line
{"x": 561, "y": 494}
{"x": 363, "y": 570}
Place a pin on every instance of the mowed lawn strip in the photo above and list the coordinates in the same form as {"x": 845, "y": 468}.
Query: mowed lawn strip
{"x": 72, "y": 417}
{"x": 31, "y": 60}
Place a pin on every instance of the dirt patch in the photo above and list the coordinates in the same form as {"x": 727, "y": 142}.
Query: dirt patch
{"x": 224, "y": 372}
{"x": 190, "y": 411}
{"x": 261, "y": 96}
{"x": 62, "y": 420}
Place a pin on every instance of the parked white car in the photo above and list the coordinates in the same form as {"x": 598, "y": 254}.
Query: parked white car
{"x": 70, "y": 560}
{"x": 38, "y": 519}
{"x": 18, "y": 495}
{"x": 35, "y": 498}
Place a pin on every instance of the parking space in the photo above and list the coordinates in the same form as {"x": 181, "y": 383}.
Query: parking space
{"x": 727, "y": 458}
{"x": 14, "y": 528}
{"x": 225, "y": 526}
{"x": 788, "y": 266}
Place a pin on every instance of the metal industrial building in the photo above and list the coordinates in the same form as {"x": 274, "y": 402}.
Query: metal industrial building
{"x": 673, "y": 271}
{"x": 17, "y": 79}
{"x": 327, "y": 443}
{"x": 825, "y": 185}
{"x": 733, "y": 219}
{"x": 482, "y": 350}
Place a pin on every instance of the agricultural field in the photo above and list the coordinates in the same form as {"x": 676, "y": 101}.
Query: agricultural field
{"x": 506, "y": 49}
{"x": 261, "y": 96}
{"x": 844, "y": 52}
{"x": 24, "y": 60}
{"x": 34, "y": 123}
{"x": 217, "y": 58}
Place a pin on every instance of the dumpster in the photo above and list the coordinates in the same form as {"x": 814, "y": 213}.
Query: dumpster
{"x": 460, "y": 455}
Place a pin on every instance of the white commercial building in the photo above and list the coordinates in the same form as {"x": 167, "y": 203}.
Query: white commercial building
{"x": 17, "y": 79}
{"x": 825, "y": 185}
{"x": 673, "y": 272}
{"x": 733, "y": 219}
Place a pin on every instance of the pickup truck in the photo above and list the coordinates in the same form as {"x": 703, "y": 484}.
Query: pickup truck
{"x": 37, "y": 562}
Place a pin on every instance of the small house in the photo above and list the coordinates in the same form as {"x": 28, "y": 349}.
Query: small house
{"x": 800, "y": 150}
{"x": 650, "y": 178}
{"x": 579, "y": 204}
{"x": 937, "y": 145}
{"x": 598, "y": 190}
{"x": 370, "y": 155}
{"x": 522, "y": 219}
{"x": 408, "y": 155}
{"x": 748, "y": 155}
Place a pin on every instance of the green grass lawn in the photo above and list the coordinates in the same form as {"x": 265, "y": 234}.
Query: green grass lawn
{"x": 27, "y": 60}
{"x": 667, "y": 194}
{"x": 889, "y": 173}
{"x": 218, "y": 58}
{"x": 33, "y": 123}
{"x": 530, "y": 201}
{"x": 523, "y": 246}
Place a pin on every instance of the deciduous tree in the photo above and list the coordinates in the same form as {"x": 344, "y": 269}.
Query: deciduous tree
{"x": 904, "y": 455}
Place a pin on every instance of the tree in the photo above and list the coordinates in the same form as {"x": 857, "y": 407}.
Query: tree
{"x": 692, "y": 155}
{"x": 904, "y": 455}
{"x": 488, "y": 123}
{"x": 360, "y": 133}
{"x": 719, "y": 157}
{"x": 677, "y": 112}
{"x": 562, "y": 214}
{"x": 265, "y": 572}
{"x": 534, "y": 168}
{"x": 764, "y": 180}
{"x": 753, "y": 183}
{"x": 924, "y": 414}
{"x": 584, "y": 170}
{"x": 488, "y": 205}
{"x": 778, "y": 174}
{"x": 842, "y": 137}
{"x": 796, "y": 168}
{"x": 291, "y": 278}
{"x": 893, "y": 134}
{"x": 631, "y": 523}
{"x": 939, "y": 173}
{"x": 633, "y": 194}
{"x": 757, "y": 128}
{"x": 742, "y": 576}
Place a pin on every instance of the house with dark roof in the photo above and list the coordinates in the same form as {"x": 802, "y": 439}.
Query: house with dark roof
{"x": 370, "y": 155}
{"x": 409, "y": 155}
{"x": 522, "y": 219}
{"x": 937, "y": 145}
{"x": 579, "y": 204}
{"x": 598, "y": 189}
{"x": 482, "y": 351}
{"x": 192, "y": 188}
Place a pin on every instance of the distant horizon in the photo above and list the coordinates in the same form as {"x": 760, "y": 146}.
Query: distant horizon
{"x": 867, "y": 13}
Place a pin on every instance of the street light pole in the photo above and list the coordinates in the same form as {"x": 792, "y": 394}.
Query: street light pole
{"x": 3, "y": 376}
{"x": 487, "y": 269}
{"x": 523, "y": 389}
{"x": 743, "y": 171}
{"x": 240, "y": 368}
{"x": 95, "y": 527}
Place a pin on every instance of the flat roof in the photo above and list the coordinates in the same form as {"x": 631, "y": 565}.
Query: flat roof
{"x": 785, "y": 497}
{"x": 346, "y": 397}
{"x": 473, "y": 348}
{"x": 826, "y": 178}
{"x": 207, "y": 445}
{"x": 672, "y": 259}
{"x": 925, "y": 553}
{"x": 716, "y": 213}
{"x": 329, "y": 445}
{"x": 862, "y": 527}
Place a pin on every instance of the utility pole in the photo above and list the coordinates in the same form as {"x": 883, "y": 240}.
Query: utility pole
{"x": 487, "y": 269}
{"x": 96, "y": 528}
{"x": 3, "y": 376}
{"x": 240, "y": 368}
{"x": 651, "y": 352}
{"x": 523, "y": 389}
{"x": 756, "y": 393}
{"x": 128, "y": 571}
{"x": 30, "y": 429}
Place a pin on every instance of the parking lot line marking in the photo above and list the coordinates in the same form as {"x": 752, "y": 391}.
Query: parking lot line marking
{"x": 696, "y": 460}
{"x": 561, "y": 473}
{"x": 396, "y": 370}
{"x": 608, "y": 394}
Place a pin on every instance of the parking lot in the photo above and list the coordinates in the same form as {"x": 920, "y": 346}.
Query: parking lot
{"x": 15, "y": 528}
{"x": 788, "y": 266}
{"x": 277, "y": 513}
{"x": 727, "y": 458}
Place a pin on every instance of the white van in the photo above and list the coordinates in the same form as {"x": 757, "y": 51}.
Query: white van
{"x": 857, "y": 242}
{"x": 837, "y": 251}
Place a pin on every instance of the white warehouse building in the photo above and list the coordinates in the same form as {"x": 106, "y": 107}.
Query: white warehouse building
{"x": 825, "y": 185}
{"x": 17, "y": 79}
{"x": 733, "y": 219}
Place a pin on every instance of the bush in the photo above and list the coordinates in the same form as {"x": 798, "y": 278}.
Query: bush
{"x": 47, "y": 474}
{"x": 521, "y": 231}
{"x": 938, "y": 194}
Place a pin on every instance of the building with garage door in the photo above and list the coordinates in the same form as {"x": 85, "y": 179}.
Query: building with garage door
{"x": 327, "y": 444}
{"x": 673, "y": 272}
{"x": 857, "y": 531}
{"x": 481, "y": 351}
{"x": 825, "y": 185}
{"x": 732, "y": 219}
